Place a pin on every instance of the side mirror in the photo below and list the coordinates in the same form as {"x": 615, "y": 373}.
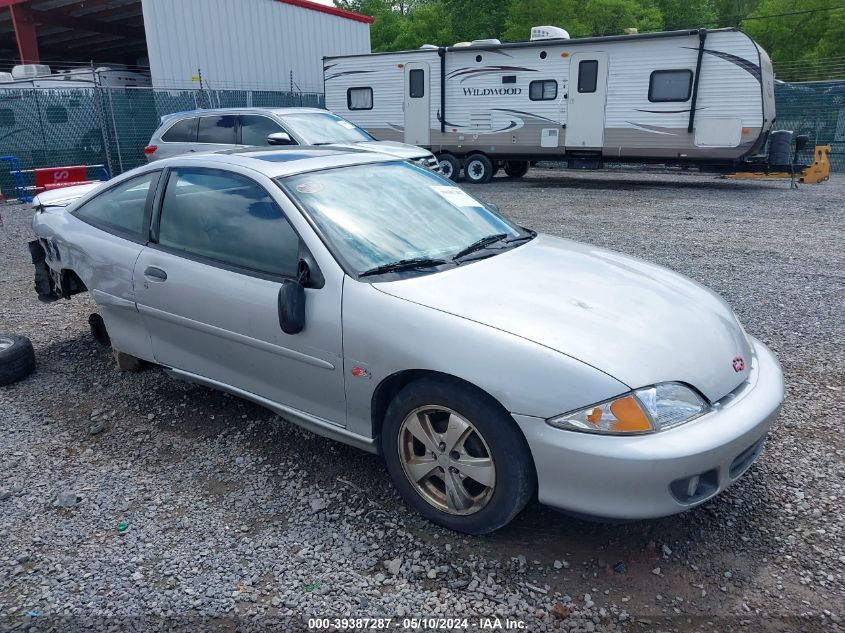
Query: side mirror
{"x": 292, "y": 306}
{"x": 280, "y": 138}
{"x": 492, "y": 206}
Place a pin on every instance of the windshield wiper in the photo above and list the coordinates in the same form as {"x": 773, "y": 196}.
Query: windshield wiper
{"x": 403, "y": 264}
{"x": 529, "y": 235}
{"x": 484, "y": 242}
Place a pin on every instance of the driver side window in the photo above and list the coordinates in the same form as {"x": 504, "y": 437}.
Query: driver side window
{"x": 227, "y": 218}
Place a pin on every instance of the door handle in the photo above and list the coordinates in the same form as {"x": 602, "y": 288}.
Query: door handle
{"x": 154, "y": 273}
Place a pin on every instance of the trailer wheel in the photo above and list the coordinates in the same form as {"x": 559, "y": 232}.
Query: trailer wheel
{"x": 17, "y": 360}
{"x": 450, "y": 166}
{"x": 478, "y": 169}
{"x": 516, "y": 168}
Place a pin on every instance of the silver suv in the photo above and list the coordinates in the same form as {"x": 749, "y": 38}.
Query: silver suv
{"x": 225, "y": 128}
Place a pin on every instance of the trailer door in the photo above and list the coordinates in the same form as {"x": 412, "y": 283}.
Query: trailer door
{"x": 586, "y": 101}
{"x": 416, "y": 104}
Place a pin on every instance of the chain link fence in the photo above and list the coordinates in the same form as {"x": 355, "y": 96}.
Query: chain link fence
{"x": 817, "y": 109}
{"x": 110, "y": 126}
{"x": 46, "y": 127}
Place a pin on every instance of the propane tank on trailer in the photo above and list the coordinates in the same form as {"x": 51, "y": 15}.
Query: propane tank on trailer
{"x": 780, "y": 143}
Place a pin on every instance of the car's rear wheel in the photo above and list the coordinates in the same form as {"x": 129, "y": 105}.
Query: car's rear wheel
{"x": 478, "y": 169}
{"x": 450, "y": 166}
{"x": 17, "y": 358}
{"x": 456, "y": 456}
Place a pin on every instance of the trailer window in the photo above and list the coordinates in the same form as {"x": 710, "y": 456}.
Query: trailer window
{"x": 416, "y": 83}
{"x": 670, "y": 85}
{"x": 543, "y": 90}
{"x": 588, "y": 72}
{"x": 359, "y": 98}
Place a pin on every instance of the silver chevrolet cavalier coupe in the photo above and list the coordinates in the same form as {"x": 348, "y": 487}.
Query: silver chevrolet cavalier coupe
{"x": 378, "y": 304}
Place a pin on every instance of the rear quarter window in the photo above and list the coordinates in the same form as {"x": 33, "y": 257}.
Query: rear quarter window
{"x": 184, "y": 131}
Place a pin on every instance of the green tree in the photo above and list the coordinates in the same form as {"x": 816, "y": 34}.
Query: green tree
{"x": 477, "y": 19}
{"x": 814, "y": 33}
{"x": 527, "y": 13}
{"x": 687, "y": 14}
{"x": 732, "y": 12}
{"x": 388, "y": 20}
{"x": 612, "y": 17}
{"x": 428, "y": 23}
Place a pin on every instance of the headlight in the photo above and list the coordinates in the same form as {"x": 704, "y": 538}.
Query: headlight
{"x": 645, "y": 410}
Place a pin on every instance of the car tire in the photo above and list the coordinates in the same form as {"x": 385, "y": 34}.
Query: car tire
{"x": 478, "y": 169}
{"x": 488, "y": 443}
{"x": 450, "y": 166}
{"x": 17, "y": 358}
{"x": 516, "y": 168}
{"x": 98, "y": 329}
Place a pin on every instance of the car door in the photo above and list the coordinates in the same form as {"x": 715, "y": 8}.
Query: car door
{"x": 106, "y": 244}
{"x": 208, "y": 289}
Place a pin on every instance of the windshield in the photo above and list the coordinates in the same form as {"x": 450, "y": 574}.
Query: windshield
{"x": 377, "y": 214}
{"x": 317, "y": 127}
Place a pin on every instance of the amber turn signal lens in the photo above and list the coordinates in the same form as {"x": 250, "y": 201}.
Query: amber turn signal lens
{"x": 630, "y": 418}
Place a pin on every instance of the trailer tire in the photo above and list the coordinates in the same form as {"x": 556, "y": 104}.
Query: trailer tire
{"x": 17, "y": 358}
{"x": 516, "y": 168}
{"x": 450, "y": 166}
{"x": 478, "y": 169}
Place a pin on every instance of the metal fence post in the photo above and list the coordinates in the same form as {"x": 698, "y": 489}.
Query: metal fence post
{"x": 116, "y": 135}
{"x": 101, "y": 120}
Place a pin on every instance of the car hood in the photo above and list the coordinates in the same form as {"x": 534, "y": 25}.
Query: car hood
{"x": 639, "y": 322}
{"x": 391, "y": 148}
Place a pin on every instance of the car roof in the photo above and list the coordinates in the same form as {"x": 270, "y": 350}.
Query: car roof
{"x": 275, "y": 162}
{"x": 212, "y": 111}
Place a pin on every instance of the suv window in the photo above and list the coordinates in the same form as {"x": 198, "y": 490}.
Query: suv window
{"x": 217, "y": 129}
{"x": 121, "y": 209}
{"x": 255, "y": 129}
{"x": 184, "y": 131}
{"x": 227, "y": 218}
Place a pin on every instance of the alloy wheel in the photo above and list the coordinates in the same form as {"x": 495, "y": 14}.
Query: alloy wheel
{"x": 446, "y": 460}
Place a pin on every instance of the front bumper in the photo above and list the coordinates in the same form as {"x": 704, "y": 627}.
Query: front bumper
{"x": 646, "y": 476}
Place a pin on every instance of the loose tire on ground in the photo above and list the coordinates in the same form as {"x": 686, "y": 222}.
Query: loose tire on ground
{"x": 450, "y": 166}
{"x": 478, "y": 169}
{"x": 449, "y": 406}
{"x": 17, "y": 358}
{"x": 516, "y": 168}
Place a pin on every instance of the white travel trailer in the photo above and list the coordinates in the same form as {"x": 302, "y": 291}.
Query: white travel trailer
{"x": 702, "y": 97}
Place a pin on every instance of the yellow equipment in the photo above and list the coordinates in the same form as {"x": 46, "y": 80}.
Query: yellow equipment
{"x": 817, "y": 172}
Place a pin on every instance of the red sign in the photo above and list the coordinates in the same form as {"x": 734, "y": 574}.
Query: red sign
{"x": 54, "y": 177}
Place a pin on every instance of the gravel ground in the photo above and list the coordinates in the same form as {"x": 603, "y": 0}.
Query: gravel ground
{"x": 129, "y": 501}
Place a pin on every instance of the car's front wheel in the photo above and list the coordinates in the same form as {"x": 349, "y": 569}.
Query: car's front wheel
{"x": 456, "y": 456}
